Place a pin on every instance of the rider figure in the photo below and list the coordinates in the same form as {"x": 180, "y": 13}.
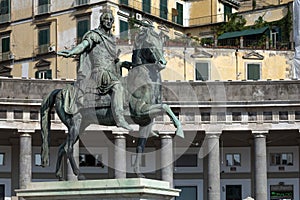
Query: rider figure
{"x": 98, "y": 59}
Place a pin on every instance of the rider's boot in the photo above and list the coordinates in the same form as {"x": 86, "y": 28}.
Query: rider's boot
{"x": 117, "y": 107}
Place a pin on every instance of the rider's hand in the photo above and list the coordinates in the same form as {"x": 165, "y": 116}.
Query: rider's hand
{"x": 65, "y": 53}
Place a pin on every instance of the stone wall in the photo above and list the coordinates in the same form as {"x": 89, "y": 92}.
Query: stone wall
{"x": 210, "y": 91}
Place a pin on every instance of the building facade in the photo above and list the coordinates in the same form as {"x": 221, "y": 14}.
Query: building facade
{"x": 32, "y": 32}
{"x": 241, "y": 139}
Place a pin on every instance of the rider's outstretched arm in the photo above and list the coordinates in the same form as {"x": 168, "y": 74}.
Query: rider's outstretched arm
{"x": 80, "y": 48}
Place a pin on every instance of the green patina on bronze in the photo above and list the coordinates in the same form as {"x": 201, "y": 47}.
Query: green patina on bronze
{"x": 97, "y": 96}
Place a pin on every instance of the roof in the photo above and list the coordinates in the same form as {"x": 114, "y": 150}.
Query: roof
{"x": 233, "y": 3}
{"x": 243, "y": 33}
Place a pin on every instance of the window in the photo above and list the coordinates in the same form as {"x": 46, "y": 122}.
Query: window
{"x": 179, "y": 18}
{"x": 202, "y": 71}
{"x": 3, "y": 114}
{"x": 5, "y": 48}
{"x": 82, "y": 2}
{"x": 281, "y": 159}
{"x": 88, "y": 160}
{"x": 187, "y": 160}
{"x": 2, "y": 192}
{"x": 43, "y": 40}
{"x": 123, "y": 30}
{"x": 189, "y": 117}
{"x": 268, "y": 116}
{"x": 233, "y": 159}
{"x": 297, "y": 115}
{"x": 43, "y": 6}
{"x": 227, "y": 11}
{"x": 253, "y": 71}
{"x": 252, "y": 116}
{"x": 125, "y": 2}
{"x": 34, "y": 115}
{"x": 147, "y": 6}
{"x": 2, "y": 159}
{"x": 283, "y": 115}
{"x": 233, "y": 192}
{"x": 205, "y": 116}
{"x": 163, "y": 9}
{"x": 236, "y": 116}
{"x": 18, "y": 114}
{"x": 4, "y": 11}
{"x": 43, "y": 74}
{"x": 187, "y": 192}
{"x": 83, "y": 25}
{"x": 142, "y": 160}
{"x": 38, "y": 159}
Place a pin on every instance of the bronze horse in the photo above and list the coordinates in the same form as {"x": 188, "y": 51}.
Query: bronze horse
{"x": 143, "y": 85}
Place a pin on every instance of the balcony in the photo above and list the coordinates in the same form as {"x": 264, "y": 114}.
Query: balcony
{"x": 4, "y": 18}
{"x": 5, "y": 56}
{"x": 43, "y": 9}
{"x": 81, "y": 2}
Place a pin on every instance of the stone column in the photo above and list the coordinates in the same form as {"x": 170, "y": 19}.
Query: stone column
{"x": 167, "y": 157}
{"x": 15, "y": 167}
{"x": 70, "y": 174}
{"x": 120, "y": 154}
{"x": 213, "y": 168}
{"x": 260, "y": 165}
{"x": 25, "y": 158}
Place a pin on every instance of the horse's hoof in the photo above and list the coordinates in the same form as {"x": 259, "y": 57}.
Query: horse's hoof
{"x": 179, "y": 132}
{"x": 140, "y": 175}
{"x": 80, "y": 177}
{"x": 61, "y": 178}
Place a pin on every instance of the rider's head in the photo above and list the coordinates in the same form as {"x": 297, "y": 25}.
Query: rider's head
{"x": 106, "y": 20}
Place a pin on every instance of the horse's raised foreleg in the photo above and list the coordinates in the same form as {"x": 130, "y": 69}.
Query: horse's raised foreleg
{"x": 158, "y": 108}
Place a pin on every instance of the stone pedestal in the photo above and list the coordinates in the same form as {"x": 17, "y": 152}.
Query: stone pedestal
{"x": 108, "y": 189}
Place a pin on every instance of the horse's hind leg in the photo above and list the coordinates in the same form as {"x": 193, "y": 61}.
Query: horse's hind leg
{"x": 73, "y": 137}
{"x": 144, "y": 133}
{"x": 61, "y": 153}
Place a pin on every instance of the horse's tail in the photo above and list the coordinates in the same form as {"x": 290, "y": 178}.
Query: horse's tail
{"x": 45, "y": 115}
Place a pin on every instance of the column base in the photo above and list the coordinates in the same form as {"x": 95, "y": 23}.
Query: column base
{"x": 108, "y": 189}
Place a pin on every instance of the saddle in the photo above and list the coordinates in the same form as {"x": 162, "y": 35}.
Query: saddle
{"x": 91, "y": 99}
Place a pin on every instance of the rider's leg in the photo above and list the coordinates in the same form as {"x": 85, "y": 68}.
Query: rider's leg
{"x": 117, "y": 107}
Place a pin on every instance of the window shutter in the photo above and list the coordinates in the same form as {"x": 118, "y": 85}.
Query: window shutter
{"x": 202, "y": 71}
{"x": 43, "y": 2}
{"x": 4, "y": 7}
{"x": 44, "y": 36}
{"x": 147, "y": 6}
{"x": 179, "y": 8}
{"x": 164, "y": 9}
{"x": 253, "y": 71}
{"x": 49, "y": 74}
{"x": 123, "y": 29}
{"x": 82, "y": 28}
{"x": 125, "y": 2}
{"x": 36, "y": 74}
{"x": 5, "y": 44}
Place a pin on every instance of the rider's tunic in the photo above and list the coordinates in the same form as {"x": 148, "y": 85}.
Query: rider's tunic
{"x": 97, "y": 69}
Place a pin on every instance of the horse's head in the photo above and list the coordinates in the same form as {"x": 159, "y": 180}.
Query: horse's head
{"x": 148, "y": 49}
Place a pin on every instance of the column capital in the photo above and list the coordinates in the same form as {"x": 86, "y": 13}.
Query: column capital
{"x": 26, "y": 131}
{"x": 166, "y": 134}
{"x": 213, "y": 134}
{"x": 259, "y": 134}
